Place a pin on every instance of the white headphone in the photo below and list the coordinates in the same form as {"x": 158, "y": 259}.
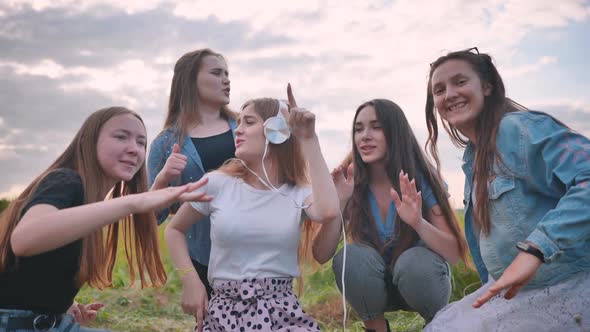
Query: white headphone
{"x": 276, "y": 129}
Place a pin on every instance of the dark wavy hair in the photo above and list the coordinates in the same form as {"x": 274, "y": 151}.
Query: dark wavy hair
{"x": 494, "y": 108}
{"x": 403, "y": 153}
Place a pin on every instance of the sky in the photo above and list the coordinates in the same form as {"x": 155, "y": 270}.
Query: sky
{"x": 60, "y": 60}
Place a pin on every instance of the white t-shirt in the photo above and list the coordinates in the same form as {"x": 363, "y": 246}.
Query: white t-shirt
{"x": 254, "y": 233}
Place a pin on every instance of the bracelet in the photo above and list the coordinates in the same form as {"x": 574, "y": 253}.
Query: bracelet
{"x": 526, "y": 247}
{"x": 183, "y": 272}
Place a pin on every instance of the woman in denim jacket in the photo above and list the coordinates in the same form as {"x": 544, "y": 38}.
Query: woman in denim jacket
{"x": 528, "y": 227}
{"x": 197, "y": 137}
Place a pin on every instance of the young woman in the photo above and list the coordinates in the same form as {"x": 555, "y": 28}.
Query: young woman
{"x": 401, "y": 227}
{"x": 59, "y": 234}
{"x": 197, "y": 137}
{"x": 255, "y": 231}
{"x": 527, "y": 193}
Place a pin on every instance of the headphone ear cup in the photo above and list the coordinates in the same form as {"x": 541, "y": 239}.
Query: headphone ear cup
{"x": 276, "y": 130}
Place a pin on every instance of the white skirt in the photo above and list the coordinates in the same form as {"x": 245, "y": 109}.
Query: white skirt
{"x": 561, "y": 307}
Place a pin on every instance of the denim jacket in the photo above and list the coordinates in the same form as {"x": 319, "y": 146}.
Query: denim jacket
{"x": 543, "y": 197}
{"x": 197, "y": 237}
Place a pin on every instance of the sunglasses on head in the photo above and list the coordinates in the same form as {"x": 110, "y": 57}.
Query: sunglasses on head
{"x": 473, "y": 50}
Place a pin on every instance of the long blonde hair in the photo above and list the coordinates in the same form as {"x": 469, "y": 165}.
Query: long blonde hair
{"x": 292, "y": 169}
{"x": 99, "y": 249}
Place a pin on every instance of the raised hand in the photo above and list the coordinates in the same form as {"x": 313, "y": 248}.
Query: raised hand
{"x": 344, "y": 185}
{"x": 301, "y": 121}
{"x": 158, "y": 199}
{"x": 174, "y": 166}
{"x": 84, "y": 313}
{"x": 519, "y": 273}
{"x": 409, "y": 206}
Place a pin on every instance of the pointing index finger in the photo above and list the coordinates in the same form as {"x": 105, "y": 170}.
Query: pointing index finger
{"x": 292, "y": 102}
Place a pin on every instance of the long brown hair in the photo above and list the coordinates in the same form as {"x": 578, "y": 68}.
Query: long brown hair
{"x": 403, "y": 153}
{"x": 183, "y": 109}
{"x": 99, "y": 249}
{"x": 291, "y": 166}
{"x": 494, "y": 108}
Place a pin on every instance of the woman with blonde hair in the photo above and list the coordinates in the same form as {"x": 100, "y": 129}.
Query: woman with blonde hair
{"x": 256, "y": 218}
{"x": 59, "y": 234}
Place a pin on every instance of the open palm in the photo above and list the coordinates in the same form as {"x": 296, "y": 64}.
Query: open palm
{"x": 344, "y": 185}
{"x": 409, "y": 205}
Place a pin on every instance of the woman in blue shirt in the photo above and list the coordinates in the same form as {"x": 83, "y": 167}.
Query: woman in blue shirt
{"x": 399, "y": 247}
{"x": 197, "y": 137}
{"x": 528, "y": 225}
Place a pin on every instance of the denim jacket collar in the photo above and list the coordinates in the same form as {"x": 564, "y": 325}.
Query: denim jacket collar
{"x": 468, "y": 155}
{"x": 470, "y": 234}
{"x": 188, "y": 148}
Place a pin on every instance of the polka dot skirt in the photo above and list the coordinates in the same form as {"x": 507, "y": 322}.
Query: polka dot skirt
{"x": 267, "y": 304}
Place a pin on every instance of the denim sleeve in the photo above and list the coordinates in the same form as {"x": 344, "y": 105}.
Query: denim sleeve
{"x": 558, "y": 164}
{"x": 156, "y": 160}
{"x": 428, "y": 197}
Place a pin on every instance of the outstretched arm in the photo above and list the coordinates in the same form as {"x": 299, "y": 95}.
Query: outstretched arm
{"x": 44, "y": 227}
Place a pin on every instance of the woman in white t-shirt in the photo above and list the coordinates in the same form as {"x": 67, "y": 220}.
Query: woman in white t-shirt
{"x": 255, "y": 231}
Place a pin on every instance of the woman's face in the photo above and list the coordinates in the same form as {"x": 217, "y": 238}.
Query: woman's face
{"x": 459, "y": 94}
{"x": 369, "y": 139}
{"x": 213, "y": 85}
{"x": 250, "y": 140}
{"x": 121, "y": 147}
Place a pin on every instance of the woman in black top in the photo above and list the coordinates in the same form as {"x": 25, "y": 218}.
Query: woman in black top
{"x": 59, "y": 233}
{"x": 198, "y": 136}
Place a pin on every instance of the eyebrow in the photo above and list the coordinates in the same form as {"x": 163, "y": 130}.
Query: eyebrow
{"x": 370, "y": 122}
{"x": 219, "y": 68}
{"x": 247, "y": 117}
{"x": 130, "y": 133}
{"x": 454, "y": 77}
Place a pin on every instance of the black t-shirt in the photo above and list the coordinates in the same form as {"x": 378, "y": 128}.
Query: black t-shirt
{"x": 46, "y": 282}
{"x": 215, "y": 150}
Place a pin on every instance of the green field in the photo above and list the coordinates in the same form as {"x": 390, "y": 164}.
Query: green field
{"x": 131, "y": 309}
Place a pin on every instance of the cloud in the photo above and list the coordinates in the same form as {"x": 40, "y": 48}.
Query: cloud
{"x": 528, "y": 69}
{"x": 62, "y": 59}
{"x": 12, "y": 192}
{"x": 574, "y": 113}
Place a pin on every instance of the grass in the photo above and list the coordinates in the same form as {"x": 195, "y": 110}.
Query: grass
{"x": 132, "y": 309}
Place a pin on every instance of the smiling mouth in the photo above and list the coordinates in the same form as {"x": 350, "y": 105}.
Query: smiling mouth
{"x": 457, "y": 106}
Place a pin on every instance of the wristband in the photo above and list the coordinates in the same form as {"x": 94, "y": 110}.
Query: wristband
{"x": 183, "y": 272}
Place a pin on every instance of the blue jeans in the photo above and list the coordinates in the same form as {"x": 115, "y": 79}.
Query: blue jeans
{"x": 66, "y": 324}
{"x": 420, "y": 281}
